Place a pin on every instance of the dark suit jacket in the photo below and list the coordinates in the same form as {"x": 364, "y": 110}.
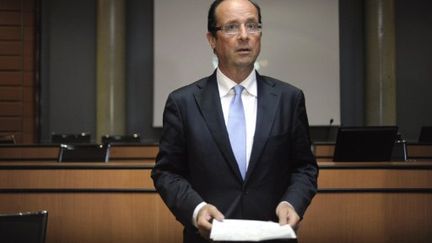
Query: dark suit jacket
{"x": 195, "y": 162}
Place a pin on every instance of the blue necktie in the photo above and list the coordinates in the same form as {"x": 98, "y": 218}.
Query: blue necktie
{"x": 237, "y": 129}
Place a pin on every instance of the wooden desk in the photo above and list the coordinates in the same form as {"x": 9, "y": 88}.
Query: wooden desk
{"x": 415, "y": 151}
{"x": 90, "y": 202}
{"x": 116, "y": 201}
{"x": 118, "y": 152}
{"x": 371, "y": 202}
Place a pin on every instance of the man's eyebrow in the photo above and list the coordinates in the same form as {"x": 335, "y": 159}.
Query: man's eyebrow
{"x": 236, "y": 21}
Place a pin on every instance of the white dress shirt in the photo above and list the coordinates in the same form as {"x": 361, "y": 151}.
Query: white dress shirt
{"x": 249, "y": 99}
{"x": 250, "y": 103}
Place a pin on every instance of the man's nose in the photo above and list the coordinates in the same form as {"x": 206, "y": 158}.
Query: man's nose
{"x": 243, "y": 34}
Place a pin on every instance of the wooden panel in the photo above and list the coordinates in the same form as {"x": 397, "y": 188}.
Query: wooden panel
{"x": 28, "y": 78}
{"x": 414, "y": 150}
{"x": 10, "y": 5}
{"x": 10, "y": 78}
{"x": 36, "y": 152}
{"x": 26, "y": 138}
{"x": 28, "y": 109}
{"x": 10, "y": 93}
{"x": 10, "y": 124}
{"x": 368, "y": 217}
{"x": 133, "y": 152}
{"x": 10, "y": 63}
{"x": 28, "y": 18}
{"x": 76, "y": 178}
{"x": 119, "y": 152}
{"x": 323, "y": 150}
{"x": 10, "y": 109}
{"x": 28, "y": 5}
{"x": 28, "y": 125}
{"x": 419, "y": 150}
{"x": 99, "y": 217}
{"x": 10, "y": 33}
{"x": 10, "y": 18}
{"x": 28, "y": 48}
{"x": 10, "y": 48}
{"x": 376, "y": 178}
{"x": 28, "y": 96}
{"x": 28, "y": 64}
{"x": 28, "y": 33}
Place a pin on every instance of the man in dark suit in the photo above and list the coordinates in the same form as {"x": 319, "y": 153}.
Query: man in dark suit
{"x": 262, "y": 168}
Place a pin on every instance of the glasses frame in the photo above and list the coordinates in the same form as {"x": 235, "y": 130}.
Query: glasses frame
{"x": 222, "y": 28}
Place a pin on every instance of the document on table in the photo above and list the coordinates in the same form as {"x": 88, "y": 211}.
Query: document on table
{"x": 249, "y": 230}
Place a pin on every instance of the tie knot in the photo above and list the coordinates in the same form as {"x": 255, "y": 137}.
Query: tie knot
{"x": 238, "y": 89}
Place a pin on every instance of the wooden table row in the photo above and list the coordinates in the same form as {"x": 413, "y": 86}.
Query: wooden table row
{"x": 116, "y": 201}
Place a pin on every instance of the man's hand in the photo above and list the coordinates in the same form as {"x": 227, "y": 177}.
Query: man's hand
{"x": 204, "y": 218}
{"x": 287, "y": 215}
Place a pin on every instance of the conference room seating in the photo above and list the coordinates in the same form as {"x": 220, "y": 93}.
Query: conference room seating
{"x": 70, "y": 138}
{"x": 425, "y": 135}
{"x": 23, "y": 227}
{"x": 121, "y": 139}
{"x": 7, "y": 139}
{"x": 84, "y": 153}
{"x": 323, "y": 133}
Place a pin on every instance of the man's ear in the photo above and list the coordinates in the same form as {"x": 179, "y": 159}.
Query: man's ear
{"x": 212, "y": 40}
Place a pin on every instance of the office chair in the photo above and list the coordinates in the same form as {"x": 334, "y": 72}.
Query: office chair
{"x": 84, "y": 153}
{"x": 28, "y": 227}
{"x": 121, "y": 139}
{"x": 7, "y": 139}
{"x": 69, "y": 138}
{"x": 425, "y": 135}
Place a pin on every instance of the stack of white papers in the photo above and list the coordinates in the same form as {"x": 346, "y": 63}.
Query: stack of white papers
{"x": 249, "y": 230}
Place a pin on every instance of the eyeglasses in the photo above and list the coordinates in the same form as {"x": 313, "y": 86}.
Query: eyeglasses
{"x": 233, "y": 29}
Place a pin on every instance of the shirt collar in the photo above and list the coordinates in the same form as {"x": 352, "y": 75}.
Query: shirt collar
{"x": 226, "y": 84}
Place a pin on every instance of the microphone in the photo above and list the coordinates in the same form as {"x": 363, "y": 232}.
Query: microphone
{"x": 329, "y": 129}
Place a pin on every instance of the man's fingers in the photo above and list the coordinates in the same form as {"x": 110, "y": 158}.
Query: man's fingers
{"x": 214, "y": 213}
{"x": 205, "y": 216}
{"x": 293, "y": 221}
{"x": 287, "y": 215}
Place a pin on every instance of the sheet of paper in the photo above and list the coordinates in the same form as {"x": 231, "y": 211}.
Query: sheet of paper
{"x": 249, "y": 230}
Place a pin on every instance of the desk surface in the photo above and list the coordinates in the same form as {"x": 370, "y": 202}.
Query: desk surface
{"x": 127, "y": 152}
{"x": 116, "y": 201}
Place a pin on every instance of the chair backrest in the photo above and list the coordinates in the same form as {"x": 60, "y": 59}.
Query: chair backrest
{"x": 70, "y": 138}
{"x": 425, "y": 134}
{"x": 84, "y": 153}
{"x": 323, "y": 133}
{"x": 365, "y": 143}
{"x": 7, "y": 139}
{"x": 119, "y": 139}
{"x": 28, "y": 227}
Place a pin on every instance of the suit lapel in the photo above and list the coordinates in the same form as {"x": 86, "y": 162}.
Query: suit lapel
{"x": 209, "y": 103}
{"x": 268, "y": 102}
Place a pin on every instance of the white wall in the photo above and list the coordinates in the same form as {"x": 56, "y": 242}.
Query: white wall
{"x": 300, "y": 45}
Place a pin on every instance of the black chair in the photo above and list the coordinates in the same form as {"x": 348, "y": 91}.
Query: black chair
{"x": 425, "y": 134}
{"x": 324, "y": 133}
{"x": 68, "y": 138}
{"x": 7, "y": 139}
{"x": 365, "y": 143}
{"x": 121, "y": 139}
{"x": 84, "y": 153}
{"x": 400, "y": 152}
{"x": 28, "y": 227}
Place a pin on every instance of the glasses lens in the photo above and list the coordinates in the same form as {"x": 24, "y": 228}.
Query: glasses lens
{"x": 253, "y": 27}
{"x": 231, "y": 29}
{"x": 234, "y": 28}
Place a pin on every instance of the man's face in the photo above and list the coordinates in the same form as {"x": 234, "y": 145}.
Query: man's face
{"x": 241, "y": 50}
